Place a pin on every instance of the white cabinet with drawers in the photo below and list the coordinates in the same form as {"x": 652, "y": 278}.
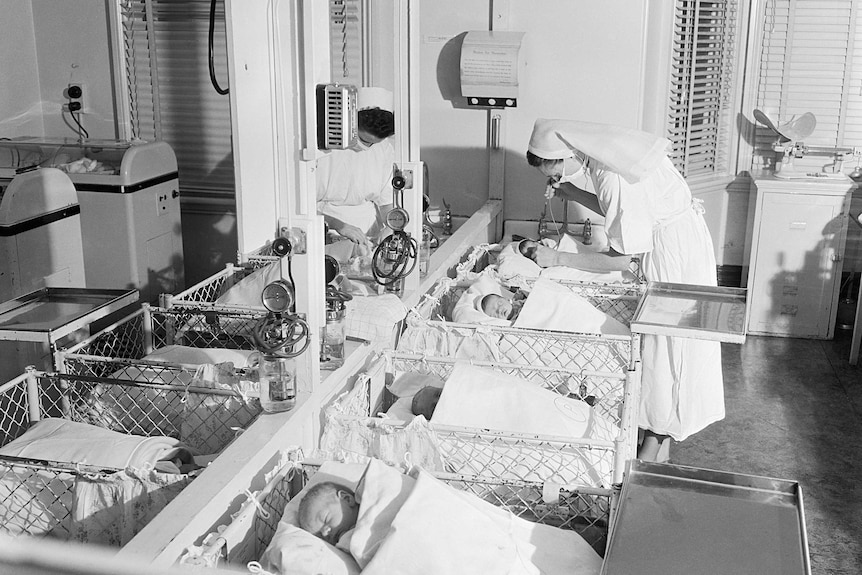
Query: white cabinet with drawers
{"x": 797, "y": 231}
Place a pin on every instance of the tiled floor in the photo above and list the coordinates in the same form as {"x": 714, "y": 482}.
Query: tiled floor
{"x": 793, "y": 412}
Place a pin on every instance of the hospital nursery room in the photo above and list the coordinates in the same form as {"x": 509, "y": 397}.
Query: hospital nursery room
{"x": 306, "y": 287}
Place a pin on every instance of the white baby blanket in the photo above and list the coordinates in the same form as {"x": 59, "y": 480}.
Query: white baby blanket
{"x": 56, "y": 439}
{"x": 555, "y": 307}
{"x": 427, "y": 527}
{"x": 486, "y": 399}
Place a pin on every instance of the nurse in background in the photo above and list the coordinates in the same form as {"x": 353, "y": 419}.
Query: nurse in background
{"x": 649, "y": 212}
{"x": 354, "y": 186}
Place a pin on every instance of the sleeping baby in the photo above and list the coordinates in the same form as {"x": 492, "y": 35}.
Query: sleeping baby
{"x": 500, "y": 307}
{"x": 415, "y": 523}
{"x": 328, "y": 510}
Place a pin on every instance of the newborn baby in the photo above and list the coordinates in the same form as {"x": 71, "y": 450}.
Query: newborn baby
{"x": 500, "y": 307}
{"x": 527, "y": 248}
{"x": 328, "y": 510}
{"x": 425, "y": 401}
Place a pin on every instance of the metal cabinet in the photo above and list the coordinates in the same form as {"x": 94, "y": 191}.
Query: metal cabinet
{"x": 130, "y": 207}
{"x": 797, "y": 232}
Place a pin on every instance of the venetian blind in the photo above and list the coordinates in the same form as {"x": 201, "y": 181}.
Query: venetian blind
{"x": 346, "y": 41}
{"x": 170, "y": 94}
{"x": 811, "y": 61}
{"x": 700, "y": 112}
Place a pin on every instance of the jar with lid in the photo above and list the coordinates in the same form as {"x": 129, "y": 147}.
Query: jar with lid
{"x": 333, "y": 335}
{"x": 277, "y": 383}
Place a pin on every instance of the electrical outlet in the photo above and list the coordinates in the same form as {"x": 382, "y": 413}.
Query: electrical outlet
{"x": 74, "y": 94}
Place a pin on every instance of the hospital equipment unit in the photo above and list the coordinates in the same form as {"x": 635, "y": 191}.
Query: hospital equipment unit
{"x": 40, "y": 232}
{"x": 128, "y": 192}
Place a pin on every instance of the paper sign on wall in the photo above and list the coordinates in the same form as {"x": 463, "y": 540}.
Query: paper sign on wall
{"x": 489, "y": 66}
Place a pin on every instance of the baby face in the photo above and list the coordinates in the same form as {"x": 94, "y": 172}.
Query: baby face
{"x": 425, "y": 401}
{"x": 331, "y": 515}
{"x": 528, "y": 248}
{"x": 497, "y": 306}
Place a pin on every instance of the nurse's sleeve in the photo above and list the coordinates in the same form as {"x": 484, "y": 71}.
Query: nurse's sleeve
{"x": 628, "y": 218}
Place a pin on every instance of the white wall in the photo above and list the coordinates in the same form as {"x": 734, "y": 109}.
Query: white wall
{"x": 579, "y": 60}
{"x": 46, "y": 45}
{"x": 72, "y": 46}
{"x": 20, "y": 108}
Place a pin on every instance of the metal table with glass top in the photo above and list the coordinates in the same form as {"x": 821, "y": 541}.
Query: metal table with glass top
{"x": 33, "y": 325}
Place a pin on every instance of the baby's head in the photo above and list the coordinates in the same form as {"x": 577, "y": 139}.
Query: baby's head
{"x": 425, "y": 401}
{"x": 497, "y": 306}
{"x": 527, "y": 248}
{"x": 328, "y": 510}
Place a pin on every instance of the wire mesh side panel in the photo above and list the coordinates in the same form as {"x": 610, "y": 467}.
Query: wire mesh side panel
{"x": 156, "y": 400}
{"x": 198, "y": 326}
{"x": 35, "y": 497}
{"x": 514, "y": 456}
{"x": 583, "y": 510}
{"x": 210, "y": 289}
{"x": 15, "y": 408}
{"x": 126, "y": 338}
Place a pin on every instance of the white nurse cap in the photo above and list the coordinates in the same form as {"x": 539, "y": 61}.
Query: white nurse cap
{"x": 374, "y": 98}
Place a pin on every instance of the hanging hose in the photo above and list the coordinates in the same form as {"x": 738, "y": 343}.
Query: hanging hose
{"x": 213, "y": 79}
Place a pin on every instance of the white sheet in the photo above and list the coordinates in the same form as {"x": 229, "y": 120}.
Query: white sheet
{"x": 554, "y": 307}
{"x": 437, "y": 529}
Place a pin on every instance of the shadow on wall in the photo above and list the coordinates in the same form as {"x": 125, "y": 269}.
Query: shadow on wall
{"x": 209, "y": 238}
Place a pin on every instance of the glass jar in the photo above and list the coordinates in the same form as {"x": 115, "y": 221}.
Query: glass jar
{"x": 424, "y": 253}
{"x": 332, "y": 336}
{"x": 277, "y": 383}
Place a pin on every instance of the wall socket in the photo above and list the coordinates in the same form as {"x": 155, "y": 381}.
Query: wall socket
{"x": 74, "y": 94}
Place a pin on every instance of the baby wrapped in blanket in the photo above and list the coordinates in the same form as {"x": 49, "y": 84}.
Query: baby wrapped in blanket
{"x": 549, "y": 305}
{"x": 481, "y": 398}
{"x": 390, "y": 523}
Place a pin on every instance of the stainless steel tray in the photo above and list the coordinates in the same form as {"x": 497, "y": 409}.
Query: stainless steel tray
{"x": 693, "y": 311}
{"x": 675, "y": 519}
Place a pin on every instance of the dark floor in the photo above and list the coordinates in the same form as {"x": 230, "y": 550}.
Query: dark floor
{"x": 793, "y": 412}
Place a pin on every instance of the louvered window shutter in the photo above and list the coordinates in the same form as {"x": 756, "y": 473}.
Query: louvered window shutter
{"x": 170, "y": 94}
{"x": 810, "y": 61}
{"x": 700, "y": 111}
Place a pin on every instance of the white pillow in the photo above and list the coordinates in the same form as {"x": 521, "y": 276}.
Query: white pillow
{"x": 469, "y": 306}
{"x": 247, "y": 291}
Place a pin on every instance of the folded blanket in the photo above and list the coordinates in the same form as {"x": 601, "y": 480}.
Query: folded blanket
{"x": 555, "y": 307}
{"x": 55, "y": 439}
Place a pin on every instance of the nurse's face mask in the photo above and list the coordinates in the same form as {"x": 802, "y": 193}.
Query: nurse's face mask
{"x": 557, "y": 172}
{"x": 364, "y": 141}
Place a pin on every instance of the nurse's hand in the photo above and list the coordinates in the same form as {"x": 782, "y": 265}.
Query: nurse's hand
{"x": 545, "y": 257}
{"x": 354, "y": 234}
